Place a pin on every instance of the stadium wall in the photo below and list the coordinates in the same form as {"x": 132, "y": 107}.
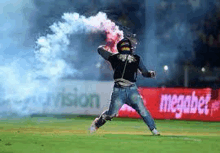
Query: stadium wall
{"x": 93, "y": 97}
{"x": 178, "y": 103}
{"x": 81, "y": 98}
{"x": 68, "y": 97}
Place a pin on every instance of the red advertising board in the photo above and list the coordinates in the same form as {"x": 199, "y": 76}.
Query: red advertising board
{"x": 178, "y": 103}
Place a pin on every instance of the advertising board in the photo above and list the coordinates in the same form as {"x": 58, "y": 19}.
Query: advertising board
{"x": 177, "y": 103}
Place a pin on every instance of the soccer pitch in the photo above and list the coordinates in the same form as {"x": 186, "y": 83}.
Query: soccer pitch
{"x": 70, "y": 135}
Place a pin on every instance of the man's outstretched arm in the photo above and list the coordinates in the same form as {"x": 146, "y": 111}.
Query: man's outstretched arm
{"x": 144, "y": 71}
{"x": 104, "y": 53}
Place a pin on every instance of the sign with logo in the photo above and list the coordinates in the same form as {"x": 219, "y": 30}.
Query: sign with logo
{"x": 70, "y": 97}
{"x": 80, "y": 97}
{"x": 177, "y": 103}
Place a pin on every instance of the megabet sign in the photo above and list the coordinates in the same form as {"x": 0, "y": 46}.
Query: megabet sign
{"x": 177, "y": 103}
{"x": 185, "y": 104}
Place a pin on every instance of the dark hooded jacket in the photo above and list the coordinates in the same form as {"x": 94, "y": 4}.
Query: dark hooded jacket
{"x": 125, "y": 66}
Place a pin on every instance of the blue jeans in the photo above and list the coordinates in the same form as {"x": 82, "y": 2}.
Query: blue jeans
{"x": 131, "y": 97}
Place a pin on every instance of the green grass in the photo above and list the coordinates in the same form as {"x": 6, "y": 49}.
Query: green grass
{"x": 64, "y": 135}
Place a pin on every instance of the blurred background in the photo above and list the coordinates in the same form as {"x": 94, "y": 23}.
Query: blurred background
{"x": 53, "y": 82}
{"x": 178, "y": 39}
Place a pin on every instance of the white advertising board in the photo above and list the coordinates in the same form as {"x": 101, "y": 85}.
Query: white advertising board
{"x": 67, "y": 97}
{"x": 79, "y": 97}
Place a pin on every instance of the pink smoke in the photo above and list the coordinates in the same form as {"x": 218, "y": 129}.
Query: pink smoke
{"x": 111, "y": 40}
{"x": 112, "y": 32}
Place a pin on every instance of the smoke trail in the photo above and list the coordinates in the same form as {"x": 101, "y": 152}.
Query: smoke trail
{"x": 22, "y": 90}
{"x": 53, "y": 45}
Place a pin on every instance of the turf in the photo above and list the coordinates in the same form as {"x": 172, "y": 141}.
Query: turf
{"x": 64, "y": 135}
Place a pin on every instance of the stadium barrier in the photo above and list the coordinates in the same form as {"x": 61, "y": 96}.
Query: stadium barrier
{"x": 81, "y": 98}
{"x": 70, "y": 97}
{"x": 178, "y": 103}
{"x": 93, "y": 97}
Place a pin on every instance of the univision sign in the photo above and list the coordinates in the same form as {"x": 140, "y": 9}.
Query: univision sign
{"x": 75, "y": 99}
{"x": 54, "y": 100}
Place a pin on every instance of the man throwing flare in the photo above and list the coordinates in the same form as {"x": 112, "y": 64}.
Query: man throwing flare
{"x": 125, "y": 65}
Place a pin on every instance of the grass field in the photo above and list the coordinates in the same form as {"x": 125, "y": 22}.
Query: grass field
{"x": 70, "y": 135}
